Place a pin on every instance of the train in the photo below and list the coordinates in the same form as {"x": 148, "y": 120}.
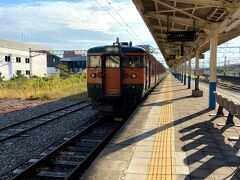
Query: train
{"x": 120, "y": 75}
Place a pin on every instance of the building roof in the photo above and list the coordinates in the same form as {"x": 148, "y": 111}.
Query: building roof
{"x": 202, "y": 16}
{"x": 74, "y": 59}
{"x": 21, "y": 46}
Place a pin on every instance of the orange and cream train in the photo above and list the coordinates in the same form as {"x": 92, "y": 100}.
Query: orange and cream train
{"x": 120, "y": 75}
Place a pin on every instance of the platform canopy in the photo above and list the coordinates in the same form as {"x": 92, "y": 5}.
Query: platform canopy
{"x": 180, "y": 27}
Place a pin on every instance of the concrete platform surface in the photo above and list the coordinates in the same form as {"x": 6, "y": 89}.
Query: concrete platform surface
{"x": 170, "y": 136}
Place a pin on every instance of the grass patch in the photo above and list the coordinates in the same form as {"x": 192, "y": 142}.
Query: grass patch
{"x": 46, "y": 88}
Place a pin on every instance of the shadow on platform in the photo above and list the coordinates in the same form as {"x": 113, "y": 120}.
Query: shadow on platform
{"x": 166, "y": 102}
{"x": 210, "y": 152}
{"x": 140, "y": 137}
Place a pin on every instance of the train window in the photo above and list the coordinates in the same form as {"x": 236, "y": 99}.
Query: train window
{"x": 94, "y": 61}
{"x": 133, "y": 61}
{"x": 113, "y": 61}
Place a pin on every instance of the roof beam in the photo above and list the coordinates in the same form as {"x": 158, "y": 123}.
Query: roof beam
{"x": 178, "y": 20}
{"x": 230, "y": 22}
{"x": 177, "y": 9}
{"x": 159, "y": 22}
{"x": 212, "y": 3}
{"x": 165, "y": 28}
{"x": 184, "y": 9}
{"x": 192, "y": 13}
{"x": 174, "y": 13}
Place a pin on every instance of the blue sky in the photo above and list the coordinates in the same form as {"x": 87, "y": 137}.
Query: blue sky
{"x": 72, "y": 24}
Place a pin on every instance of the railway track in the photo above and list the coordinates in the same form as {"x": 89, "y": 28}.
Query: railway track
{"x": 20, "y": 128}
{"x": 228, "y": 86}
{"x": 233, "y": 79}
{"x": 224, "y": 85}
{"x": 70, "y": 159}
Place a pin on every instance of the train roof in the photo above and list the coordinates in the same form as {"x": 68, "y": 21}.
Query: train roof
{"x": 124, "y": 49}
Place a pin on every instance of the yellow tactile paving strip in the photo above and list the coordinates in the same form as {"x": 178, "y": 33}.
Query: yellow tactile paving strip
{"x": 161, "y": 165}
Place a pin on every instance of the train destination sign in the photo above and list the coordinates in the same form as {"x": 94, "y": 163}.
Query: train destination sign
{"x": 112, "y": 49}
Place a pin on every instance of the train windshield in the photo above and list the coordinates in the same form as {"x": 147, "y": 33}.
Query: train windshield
{"x": 112, "y": 61}
{"x": 133, "y": 61}
{"x": 94, "y": 61}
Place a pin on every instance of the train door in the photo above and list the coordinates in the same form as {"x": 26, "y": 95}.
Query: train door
{"x": 146, "y": 73}
{"x": 112, "y": 75}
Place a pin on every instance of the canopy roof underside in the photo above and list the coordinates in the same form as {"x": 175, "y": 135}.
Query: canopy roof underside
{"x": 202, "y": 16}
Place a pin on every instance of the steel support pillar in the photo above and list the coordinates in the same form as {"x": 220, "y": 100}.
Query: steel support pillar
{"x": 213, "y": 35}
{"x": 181, "y": 73}
{"x": 189, "y": 73}
{"x": 196, "y": 68}
{"x": 185, "y": 73}
{"x": 197, "y": 92}
{"x": 178, "y": 74}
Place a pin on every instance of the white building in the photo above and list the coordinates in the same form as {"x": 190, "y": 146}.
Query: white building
{"x": 15, "y": 59}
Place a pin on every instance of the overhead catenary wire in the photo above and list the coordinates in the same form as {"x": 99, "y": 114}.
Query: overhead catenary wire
{"x": 135, "y": 34}
{"x": 117, "y": 21}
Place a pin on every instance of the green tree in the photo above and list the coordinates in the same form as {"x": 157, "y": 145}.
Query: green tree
{"x": 63, "y": 68}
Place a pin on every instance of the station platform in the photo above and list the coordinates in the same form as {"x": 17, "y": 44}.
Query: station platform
{"x": 170, "y": 136}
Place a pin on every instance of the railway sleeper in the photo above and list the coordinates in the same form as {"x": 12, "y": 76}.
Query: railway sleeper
{"x": 65, "y": 162}
{"x": 70, "y": 158}
{"x": 81, "y": 149}
{"x": 78, "y": 156}
{"x": 53, "y": 174}
{"x": 55, "y": 168}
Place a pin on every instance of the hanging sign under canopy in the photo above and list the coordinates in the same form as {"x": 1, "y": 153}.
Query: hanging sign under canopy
{"x": 182, "y": 36}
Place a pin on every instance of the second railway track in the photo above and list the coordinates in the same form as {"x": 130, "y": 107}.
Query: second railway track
{"x": 19, "y": 128}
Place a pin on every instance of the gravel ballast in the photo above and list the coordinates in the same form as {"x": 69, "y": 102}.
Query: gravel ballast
{"x": 10, "y": 105}
{"x": 14, "y": 151}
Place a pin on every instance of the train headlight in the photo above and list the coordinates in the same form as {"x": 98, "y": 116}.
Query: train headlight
{"x": 93, "y": 75}
{"x": 93, "y": 86}
{"x": 133, "y": 76}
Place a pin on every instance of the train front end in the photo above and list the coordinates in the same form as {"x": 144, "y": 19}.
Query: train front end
{"x": 114, "y": 77}
{"x": 104, "y": 78}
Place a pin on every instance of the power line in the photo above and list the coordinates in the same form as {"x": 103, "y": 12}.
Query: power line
{"x": 125, "y": 22}
{"x": 115, "y": 19}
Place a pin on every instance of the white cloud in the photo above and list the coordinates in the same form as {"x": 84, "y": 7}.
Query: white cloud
{"x": 54, "y": 17}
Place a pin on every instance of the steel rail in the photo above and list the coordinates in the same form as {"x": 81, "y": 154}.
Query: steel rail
{"x": 75, "y": 173}
{"x": 223, "y": 85}
{"x": 50, "y": 146}
{"x": 41, "y": 115}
